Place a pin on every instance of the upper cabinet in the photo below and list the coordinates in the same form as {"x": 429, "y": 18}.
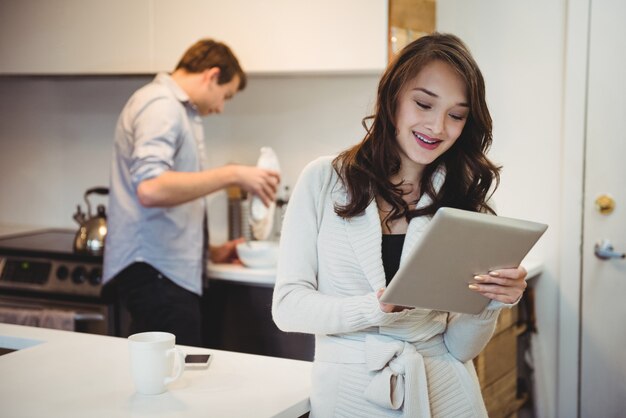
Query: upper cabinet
{"x": 278, "y": 35}
{"x": 74, "y": 36}
{"x": 147, "y": 36}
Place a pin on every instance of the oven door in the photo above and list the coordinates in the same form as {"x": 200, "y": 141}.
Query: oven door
{"x": 91, "y": 318}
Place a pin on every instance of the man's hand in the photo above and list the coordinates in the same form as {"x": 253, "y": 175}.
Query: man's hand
{"x": 259, "y": 181}
{"x": 226, "y": 253}
{"x": 172, "y": 188}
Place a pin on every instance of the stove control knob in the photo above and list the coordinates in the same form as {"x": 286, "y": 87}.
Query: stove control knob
{"x": 95, "y": 276}
{"x": 79, "y": 275}
{"x": 62, "y": 272}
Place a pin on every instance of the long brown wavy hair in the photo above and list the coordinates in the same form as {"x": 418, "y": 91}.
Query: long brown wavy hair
{"x": 366, "y": 168}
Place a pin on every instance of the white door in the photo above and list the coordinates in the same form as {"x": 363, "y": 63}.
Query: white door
{"x": 603, "y": 291}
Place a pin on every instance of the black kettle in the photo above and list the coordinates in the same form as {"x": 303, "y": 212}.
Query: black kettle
{"x": 93, "y": 228}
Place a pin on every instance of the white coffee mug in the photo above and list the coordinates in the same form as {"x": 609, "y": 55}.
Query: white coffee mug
{"x": 155, "y": 361}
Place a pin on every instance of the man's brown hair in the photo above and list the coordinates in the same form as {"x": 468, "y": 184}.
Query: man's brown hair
{"x": 208, "y": 53}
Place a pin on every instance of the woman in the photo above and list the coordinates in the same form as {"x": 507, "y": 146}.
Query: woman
{"x": 349, "y": 222}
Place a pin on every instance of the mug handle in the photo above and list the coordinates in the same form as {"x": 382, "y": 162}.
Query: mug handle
{"x": 179, "y": 365}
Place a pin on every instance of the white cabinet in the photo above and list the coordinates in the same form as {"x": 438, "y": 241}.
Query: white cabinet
{"x": 75, "y": 36}
{"x": 146, "y": 36}
{"x": 277, "y": 36}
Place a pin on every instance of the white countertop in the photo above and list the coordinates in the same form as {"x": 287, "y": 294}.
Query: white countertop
{"x": 267, "y": 277}
{"x": 59, "y": 373}
{"x": 264, "y": 277}
{"x": 533, "y": 267}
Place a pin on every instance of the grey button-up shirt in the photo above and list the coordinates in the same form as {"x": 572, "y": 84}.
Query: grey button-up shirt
{"x": 158, "y": 130}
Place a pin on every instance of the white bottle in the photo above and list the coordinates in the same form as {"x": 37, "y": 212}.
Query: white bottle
{"x": 261, "y": 216}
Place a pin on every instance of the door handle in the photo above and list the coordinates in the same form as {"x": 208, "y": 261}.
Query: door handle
{"x": 604, "y": 250}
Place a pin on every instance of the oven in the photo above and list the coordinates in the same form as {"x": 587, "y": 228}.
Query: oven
{"x": 43, "y": 282}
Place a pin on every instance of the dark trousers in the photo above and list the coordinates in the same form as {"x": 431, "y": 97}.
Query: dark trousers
{"x": 155, "y": 303}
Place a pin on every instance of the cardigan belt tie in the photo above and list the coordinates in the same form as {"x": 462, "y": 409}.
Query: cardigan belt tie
{"x": 400, "y": 373}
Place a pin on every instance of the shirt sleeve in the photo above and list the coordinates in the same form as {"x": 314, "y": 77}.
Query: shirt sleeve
{"x": 156, "y": 132}
{"x": 467, "y": 335}
{"x": 298, "y": 306}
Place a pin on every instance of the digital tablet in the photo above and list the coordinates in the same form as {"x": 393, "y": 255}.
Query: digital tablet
{"x": 454, "y": 247}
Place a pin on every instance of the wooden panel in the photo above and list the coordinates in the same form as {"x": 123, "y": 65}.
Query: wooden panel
{"x": 418, "y": 15}
{"x": 501, "y": 396}
{"x": 409, "y": 20}
{"x": 499, "y": 357}
{"x": 497, "y": 369}
{"x": 507, "y": 318}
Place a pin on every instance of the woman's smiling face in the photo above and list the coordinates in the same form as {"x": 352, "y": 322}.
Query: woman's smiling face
{"x": 430, "y": 115}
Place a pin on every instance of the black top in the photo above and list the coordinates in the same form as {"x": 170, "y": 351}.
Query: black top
{"x": 391, "y": 251}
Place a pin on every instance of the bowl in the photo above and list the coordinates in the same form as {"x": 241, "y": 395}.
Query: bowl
{"x": 258, "y": 254}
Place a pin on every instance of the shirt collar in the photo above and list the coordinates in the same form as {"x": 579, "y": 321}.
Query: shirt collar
{"x": 168, "y": 81}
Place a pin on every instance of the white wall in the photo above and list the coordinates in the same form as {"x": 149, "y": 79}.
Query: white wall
{"x": 55, "y": 142}
{"x": 301, "y": 118}
{"x": 56, "y": 135}
{"x": 520, "y": 49}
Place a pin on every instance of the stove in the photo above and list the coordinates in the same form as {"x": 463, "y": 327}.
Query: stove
{"x": 43, "y": 282}
{"x": 44, "y": 261}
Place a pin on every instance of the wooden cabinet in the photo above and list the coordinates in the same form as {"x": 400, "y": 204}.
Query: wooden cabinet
{"x": 409, "y": 20}
{"x": 147, "y": 36}
{"x": 497, "y": 367}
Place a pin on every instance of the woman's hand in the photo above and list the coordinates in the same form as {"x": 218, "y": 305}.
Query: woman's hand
{"x": 505, "y": 285}
{"x": 386, "y": 307}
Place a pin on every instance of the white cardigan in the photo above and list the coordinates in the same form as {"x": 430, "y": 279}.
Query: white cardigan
{"x": 369, "y": 363}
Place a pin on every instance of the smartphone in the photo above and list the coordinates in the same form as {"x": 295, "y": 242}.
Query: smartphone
{"x": 197, "y": 361}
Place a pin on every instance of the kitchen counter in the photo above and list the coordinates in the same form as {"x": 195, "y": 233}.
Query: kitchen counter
{"x": 267, "y": 277}
{"x": 264, "y": 277}
{"x": 59, "y": 373}
{"x": 533, "y": 267}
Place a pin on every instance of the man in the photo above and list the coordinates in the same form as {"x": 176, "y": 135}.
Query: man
{"x": 156, "y": 242}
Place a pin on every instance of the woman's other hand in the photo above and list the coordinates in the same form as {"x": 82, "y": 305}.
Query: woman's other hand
{"x": 386, "y": 307}
{"x": 505, "y": 285}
